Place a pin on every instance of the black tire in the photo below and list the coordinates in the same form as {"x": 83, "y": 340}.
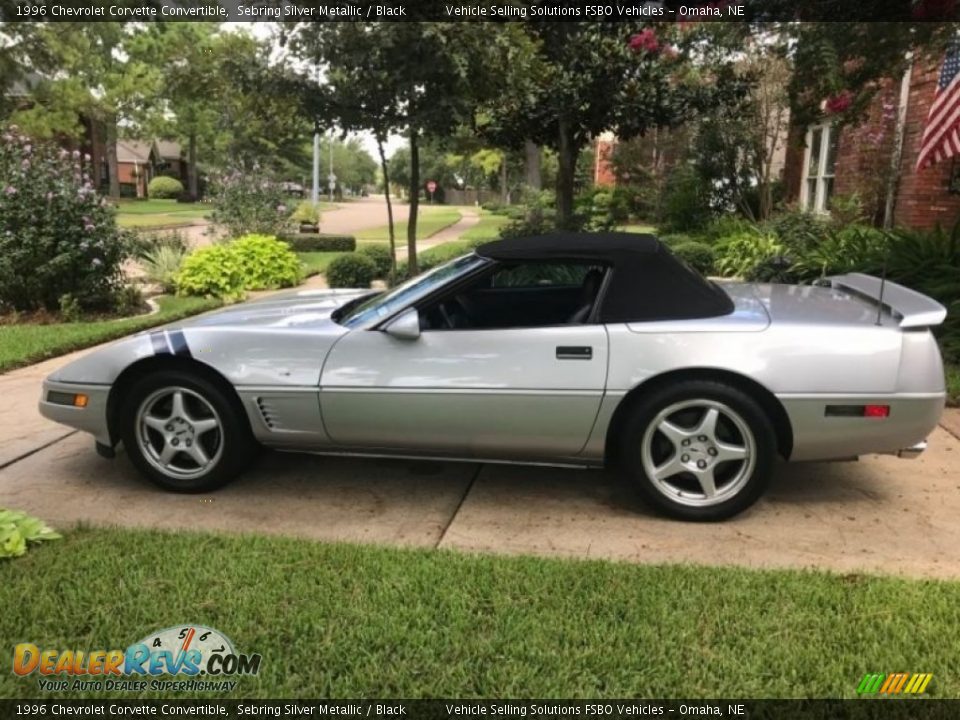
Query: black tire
{"x": 230, "y": 447}
{"x": 742, "y": 425}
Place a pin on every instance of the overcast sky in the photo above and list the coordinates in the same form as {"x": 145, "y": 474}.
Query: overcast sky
{"x": 265, "y": 31}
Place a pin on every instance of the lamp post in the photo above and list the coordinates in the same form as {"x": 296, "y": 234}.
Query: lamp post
{"x": 315, "y": 194}
{"x": 331, "y": 178}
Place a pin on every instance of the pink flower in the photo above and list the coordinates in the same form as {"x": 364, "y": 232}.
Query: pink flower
{"x": 62, "y": 154}
{"x": 10, "y": 190}
{"x": 281, "y": 208}
{"x": 49, "y": 196}
{"x": 838, "y": 103}
{"x": 646, "y": 40}
{"x": 86, "y": 157}
{"x": 75, "y": 154}
{"x": 25, "y": 164}
{"x": 27, "y": 148}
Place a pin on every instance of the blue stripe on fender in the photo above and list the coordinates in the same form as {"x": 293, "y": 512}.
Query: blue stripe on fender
{"x": 159, "y": 341}
{"x": 179, "y": 343}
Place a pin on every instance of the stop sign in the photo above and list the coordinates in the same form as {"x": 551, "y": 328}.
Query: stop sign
{"x": 431, "y": 186}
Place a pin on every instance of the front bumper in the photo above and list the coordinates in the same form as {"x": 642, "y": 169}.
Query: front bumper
{"x": 92, "y": 418}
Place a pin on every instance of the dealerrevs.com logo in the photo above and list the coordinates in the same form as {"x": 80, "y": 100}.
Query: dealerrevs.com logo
{"x": 190, "y": 651}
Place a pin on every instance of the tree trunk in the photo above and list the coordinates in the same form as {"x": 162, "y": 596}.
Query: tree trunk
{"x": 533, "y": 177}
{"x": 192, "y": 184}
{"x": 111, "y": 152}
{"x": 504, "y": 188}
{"x": 386, "y": 189}
{"x": 567, "y": 157}
{"x": 414, "y": 203}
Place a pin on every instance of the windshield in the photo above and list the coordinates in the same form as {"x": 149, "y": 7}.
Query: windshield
{"x": 385, "y": 304}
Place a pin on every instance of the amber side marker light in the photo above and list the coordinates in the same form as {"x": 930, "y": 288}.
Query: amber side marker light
{"x": 61, "y": 398}
{"x": 867, "y": 411}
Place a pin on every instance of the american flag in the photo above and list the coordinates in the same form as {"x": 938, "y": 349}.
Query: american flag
{"x": 941, "y": 135}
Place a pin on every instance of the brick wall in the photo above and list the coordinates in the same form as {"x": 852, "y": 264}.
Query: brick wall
{"x": 923, "y": 198}
{"x": 864, "y": 154}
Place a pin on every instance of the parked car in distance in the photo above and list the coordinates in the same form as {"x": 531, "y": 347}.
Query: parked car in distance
{"x": 569, "y": 349}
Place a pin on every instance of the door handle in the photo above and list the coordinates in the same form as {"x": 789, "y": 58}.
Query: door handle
{"x": 574, "y": 352}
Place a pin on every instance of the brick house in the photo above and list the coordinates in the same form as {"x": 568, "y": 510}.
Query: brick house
{"x": 136, "y": 166}
{"x": 876, "y": 159}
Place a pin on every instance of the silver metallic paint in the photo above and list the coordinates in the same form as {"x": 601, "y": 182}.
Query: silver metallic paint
{"x": 504, "y": 395}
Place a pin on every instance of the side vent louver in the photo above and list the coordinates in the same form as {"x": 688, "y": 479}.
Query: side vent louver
{"x": 266, "y": 414}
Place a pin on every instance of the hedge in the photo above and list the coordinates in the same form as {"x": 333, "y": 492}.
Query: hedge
{"x": 310, "y": 242}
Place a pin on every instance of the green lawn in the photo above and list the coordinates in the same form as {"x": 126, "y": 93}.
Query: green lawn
{"x": 357, "y": 621}
{"x": 953, "y": 385}
{"x": 28, "y": 343}
{"x": 316, "y": 262}
{"x": 487, "y": 229}
{"x": 431, "y": 220}
{"x": 639, "y": 228}
{"x": 143, "y": 213}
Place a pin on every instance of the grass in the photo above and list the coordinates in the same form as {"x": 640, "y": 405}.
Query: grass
{"x": 158, "y": 213}
{"x": 639, "y": 228}
{"x": 28, "y": 343}
{"x": 316, "y": 262}
{"x": 430, "y": 221}
{"x": 487, "y": 229}
{"x": 358, "y": 621}
{"x": 953, "y": 385}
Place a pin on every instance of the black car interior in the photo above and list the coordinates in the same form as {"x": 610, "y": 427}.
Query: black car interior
{"x": 519, "y": 295}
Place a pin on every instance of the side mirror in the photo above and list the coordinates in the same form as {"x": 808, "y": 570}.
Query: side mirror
{"x": 406, "y": 326}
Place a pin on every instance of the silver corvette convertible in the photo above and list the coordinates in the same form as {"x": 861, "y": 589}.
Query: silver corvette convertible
{"x": 565, "y": 349}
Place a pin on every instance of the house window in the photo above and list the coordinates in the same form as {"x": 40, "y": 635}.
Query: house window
{"x": 819, "y": 168}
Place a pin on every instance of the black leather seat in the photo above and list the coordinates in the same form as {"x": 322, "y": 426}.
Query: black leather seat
{"x": 588, "y": 293}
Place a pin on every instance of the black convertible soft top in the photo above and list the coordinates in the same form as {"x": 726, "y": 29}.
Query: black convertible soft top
{"x": 647, "y": 281}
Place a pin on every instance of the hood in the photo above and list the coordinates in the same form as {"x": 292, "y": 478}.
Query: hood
{"x": 294, "y": 309}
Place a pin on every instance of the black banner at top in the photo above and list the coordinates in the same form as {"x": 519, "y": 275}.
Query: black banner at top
{"x": 481, "y": 10}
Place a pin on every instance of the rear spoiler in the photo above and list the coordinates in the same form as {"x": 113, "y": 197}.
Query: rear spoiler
{"x": 914, "y": 309}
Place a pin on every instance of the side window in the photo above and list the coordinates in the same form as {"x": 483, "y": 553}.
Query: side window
{"x": 520, "y": 295}
{"x": 527, "y": 275}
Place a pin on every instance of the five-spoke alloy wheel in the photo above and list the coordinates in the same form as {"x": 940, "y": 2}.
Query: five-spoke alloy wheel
{"x": 701, "y": 450}
{"x": 184, "y": 432}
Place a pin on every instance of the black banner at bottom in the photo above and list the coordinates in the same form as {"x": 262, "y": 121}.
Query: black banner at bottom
{"x": 863, "y": 709}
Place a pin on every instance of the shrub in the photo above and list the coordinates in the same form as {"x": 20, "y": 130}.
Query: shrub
{"x": 144, "y": 243}
{"x": 742, "y": 255}
{"x": 351, "y": 271}
{"x": 265, "y": 262}
{"x": 164, "y": 188}
{"x": 162, "y": 264}
{"x": 697, "y": 255}
{"x": 57, "y": 236}
{"x": 212, "y": 271}
{"x": 380, "y": 254}
{"x": 671, "y": 240}
{"x": 313, "y": 242}
{"x": 799, "y": 231}
{"x": 245, "y": 202}
{"x": 17, "y": 530}
{"x": 306, "y": 212}
{"x": 684, "y": 202}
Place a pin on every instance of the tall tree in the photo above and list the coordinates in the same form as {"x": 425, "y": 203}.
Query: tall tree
{"x": 589, "y": 77}
{"x": 420, "y": 78}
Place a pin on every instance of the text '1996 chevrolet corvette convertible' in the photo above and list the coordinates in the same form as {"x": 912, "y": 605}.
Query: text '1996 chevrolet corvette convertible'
{"x": 568, "y": 349}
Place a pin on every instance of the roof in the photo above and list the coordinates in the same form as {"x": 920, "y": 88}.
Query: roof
{"x": 169, "y": 149}
{"x": 647, "y": 282}
{"x": 570, "y": 245}
{"x": 133, "y": 151}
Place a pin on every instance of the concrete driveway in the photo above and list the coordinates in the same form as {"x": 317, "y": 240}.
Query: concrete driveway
{"x": 880, "y": 514}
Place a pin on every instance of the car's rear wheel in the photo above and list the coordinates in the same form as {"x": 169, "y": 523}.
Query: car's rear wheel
{"x": 184, "y": 433}
{"x": 700, "y": 450}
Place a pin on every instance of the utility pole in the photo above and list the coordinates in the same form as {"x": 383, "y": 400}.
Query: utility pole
{"x": 315, "y": 194}
{"x": 332, "y": 178}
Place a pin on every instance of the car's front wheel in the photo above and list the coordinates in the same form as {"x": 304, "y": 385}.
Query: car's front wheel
{"x": 700, "y": 450}
{"x": 183, "y": 432}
